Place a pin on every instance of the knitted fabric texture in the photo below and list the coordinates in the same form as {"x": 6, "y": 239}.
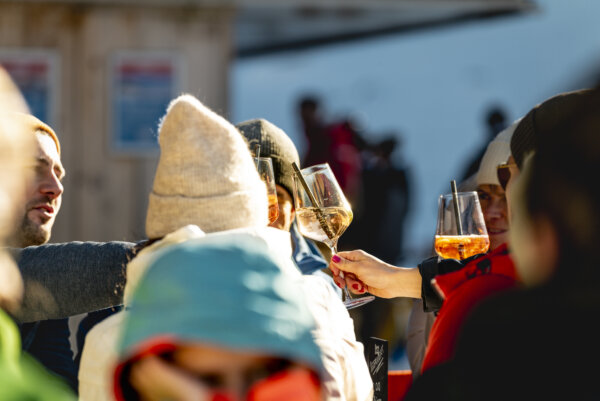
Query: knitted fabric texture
{"x": 205, "y": 174}
{"x": 497, "y": 152}
{"x": 274, "y": 143}
{"x": 543, "y": 117}
{"x": 225, "y": 290}
{"x": 27, "y": 123}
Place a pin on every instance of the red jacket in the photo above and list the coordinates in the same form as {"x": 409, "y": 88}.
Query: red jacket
{"x": 462, "y": 290}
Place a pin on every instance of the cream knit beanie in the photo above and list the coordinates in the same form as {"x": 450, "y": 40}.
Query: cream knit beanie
{"x": 497, "y": 152}
{"x": 205, "y": 175}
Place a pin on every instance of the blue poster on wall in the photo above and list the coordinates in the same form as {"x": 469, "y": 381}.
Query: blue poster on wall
{"x": 142, "y": 85}
{"x": 34, "y": 72}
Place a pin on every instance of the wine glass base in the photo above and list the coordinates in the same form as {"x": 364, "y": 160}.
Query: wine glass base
{"x": 356, "y": 302}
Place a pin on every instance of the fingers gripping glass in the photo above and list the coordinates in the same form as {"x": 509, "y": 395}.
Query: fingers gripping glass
{"x": 503, "y": 172}
{"x": 323, "y": 213}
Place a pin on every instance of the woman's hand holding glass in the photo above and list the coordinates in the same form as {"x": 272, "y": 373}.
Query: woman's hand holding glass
{"x": 366, "y": 273}
{"x": 323, "y": 213}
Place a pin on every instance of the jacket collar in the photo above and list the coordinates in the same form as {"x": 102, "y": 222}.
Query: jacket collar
{"x": 497, "y": 262}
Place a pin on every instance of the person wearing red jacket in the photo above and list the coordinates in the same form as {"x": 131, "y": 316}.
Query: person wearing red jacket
{"x": 538, "y": 341}
{"x": 461, "y": 291}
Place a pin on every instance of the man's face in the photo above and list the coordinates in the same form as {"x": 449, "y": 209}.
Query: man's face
{"x": 495, "y": 214}
{"x": 43, "y": 195}
{"x": 286, "y": 209}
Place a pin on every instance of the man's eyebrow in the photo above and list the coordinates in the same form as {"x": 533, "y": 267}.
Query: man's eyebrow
{"x": 46, "y": 162}
{"x": 43, "y": 160}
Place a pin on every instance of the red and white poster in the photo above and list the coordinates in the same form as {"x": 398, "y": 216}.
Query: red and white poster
{"x": 142, "y": 83}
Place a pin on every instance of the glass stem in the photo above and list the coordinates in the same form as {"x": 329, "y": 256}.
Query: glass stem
{"x": 333, "y": 249}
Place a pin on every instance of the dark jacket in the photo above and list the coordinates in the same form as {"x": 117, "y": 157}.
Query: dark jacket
{"x": 532, "y": 344}
{"x": 462, "y": 291}
{"x": 431, "y": 267}
{"x": 48, "y": 342}
{"x": 21, "y": 377}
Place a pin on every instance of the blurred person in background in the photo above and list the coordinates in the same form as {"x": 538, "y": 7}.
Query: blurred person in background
{"x": 206, "y": 183}
{"x": 378, "y": 224}
{"x": 21, "y": 377}
{"x": 540, "y": 341}
{"x": 313, "y": 126}
{"x": 275, "y": 144}
{"x": 337, "y": 143}
{"x": 242, "y": 331}
{"x": 378, "y": 228}
{"x": 495, "y": 121}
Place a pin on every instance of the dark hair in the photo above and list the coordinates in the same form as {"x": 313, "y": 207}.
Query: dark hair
{"x": 309, "y": 102}
{"x": 544, "y": 118}
{"x": 495, "y": 115}
{"x": 563, "y": 186}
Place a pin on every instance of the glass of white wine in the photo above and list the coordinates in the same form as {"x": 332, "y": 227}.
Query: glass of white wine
{"x": 324, "y": 213}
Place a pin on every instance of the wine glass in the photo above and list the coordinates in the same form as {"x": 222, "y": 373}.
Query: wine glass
{"x": 264, "y": 166}
{"x": 326, "y": 216}
{"x": 465, "y": 237}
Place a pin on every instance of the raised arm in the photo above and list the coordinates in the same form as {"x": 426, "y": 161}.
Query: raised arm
{"x": 365, "y": 273}
{"x": 67, "y": 279}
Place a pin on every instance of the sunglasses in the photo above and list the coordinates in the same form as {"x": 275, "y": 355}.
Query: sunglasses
{"x": 503, "y": 172}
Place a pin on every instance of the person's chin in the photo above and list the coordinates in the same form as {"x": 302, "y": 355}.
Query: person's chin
{"x": 497, "y": 239}
{"x": 40, "y": 232}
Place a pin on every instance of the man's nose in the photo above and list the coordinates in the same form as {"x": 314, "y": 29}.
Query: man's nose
{"x": 52, "y": 186}
{"x": 497, "y": 208}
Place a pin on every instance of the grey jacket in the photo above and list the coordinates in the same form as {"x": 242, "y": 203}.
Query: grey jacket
{"x": 67, "y": 279}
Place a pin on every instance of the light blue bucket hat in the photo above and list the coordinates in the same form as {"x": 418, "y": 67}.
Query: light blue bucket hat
{"x": 226, "y": 291}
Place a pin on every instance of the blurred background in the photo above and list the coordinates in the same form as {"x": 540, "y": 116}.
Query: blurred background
{"x": 401, "y": 96}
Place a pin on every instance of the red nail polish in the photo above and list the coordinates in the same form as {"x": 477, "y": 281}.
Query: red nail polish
{"x": 355, "y": 286}
{"x": 336, "y": 259}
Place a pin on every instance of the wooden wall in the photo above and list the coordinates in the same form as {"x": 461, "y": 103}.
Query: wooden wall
{"x": 106, "y": 194}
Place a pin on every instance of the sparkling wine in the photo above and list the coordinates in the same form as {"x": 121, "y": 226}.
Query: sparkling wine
{"x": 337, "y": 218}
{"x": 461, "y": 246}
{"x": 273, "y": 208}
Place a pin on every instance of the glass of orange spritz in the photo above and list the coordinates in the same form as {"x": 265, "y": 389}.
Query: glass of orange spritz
{"x": 463, "y": 238}
{"x": 264, "y": 165}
